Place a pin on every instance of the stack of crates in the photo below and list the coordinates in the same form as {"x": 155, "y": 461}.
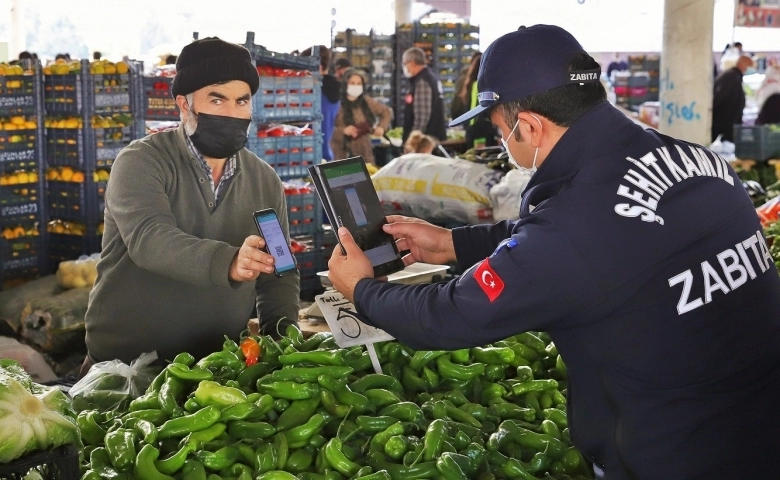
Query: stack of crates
{"x": 448, "y": 47}
{"x": 90, "y": 117}
{"x": 22, "y": 208}
{"x": 158, "y": 103}
{"x": 289, "y": 100}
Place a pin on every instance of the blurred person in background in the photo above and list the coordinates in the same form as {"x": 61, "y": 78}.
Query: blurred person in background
{"x": 341, "y": 66}
{"x": 728, "y": 100}
{"x": 331, "y": 88}
{"x": 768, "y": 97}
{"x": 423, "y": 106}
{"x": 479, "y": 131}
{"x": 359, "y": 117}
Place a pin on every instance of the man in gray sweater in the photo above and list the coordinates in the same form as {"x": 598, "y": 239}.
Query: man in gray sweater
{"x": 182, "y": 263}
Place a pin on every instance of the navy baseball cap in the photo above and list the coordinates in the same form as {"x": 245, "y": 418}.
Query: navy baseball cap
{"x": 526, "y": 62}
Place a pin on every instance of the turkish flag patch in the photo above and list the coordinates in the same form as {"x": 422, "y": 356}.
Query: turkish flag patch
{"x": 488, "y": 280}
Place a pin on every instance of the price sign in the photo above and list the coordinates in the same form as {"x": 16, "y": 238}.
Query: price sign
{"x": 343, "y": 321}
{"x": 347, "y": 328}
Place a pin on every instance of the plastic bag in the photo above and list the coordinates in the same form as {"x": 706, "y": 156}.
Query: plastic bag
{"x": 436, "y": 189}
{"x": 78, "y": 273}
{"x": 112, "y": 385}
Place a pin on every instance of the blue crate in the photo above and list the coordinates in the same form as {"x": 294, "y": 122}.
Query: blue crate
{"x": 69, "y": 147}
{"x": 17, "y": 94}
{"x": 21, "y": 257}
{"x": 78, "y": 202}
{"x": 70, "y": 247}
{"x": 290, "y": 156}
{"x": 20, "y": 204}
{"x": 158, "y": 102}
{"x": 66, "y": 147}
{"x": 759, "y": 142}
{"x": 307, "y": 269}
{"x": 287, "y": 98}
{"x": 62, "y": 93}
{"x": 263, "y": 56}
{"x": 18, "y": 150}
{"x": 93, "y": 93}
{"x": 303, "y": 213}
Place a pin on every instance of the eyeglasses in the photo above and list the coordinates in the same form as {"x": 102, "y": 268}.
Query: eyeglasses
{"x": 487, "y": 99}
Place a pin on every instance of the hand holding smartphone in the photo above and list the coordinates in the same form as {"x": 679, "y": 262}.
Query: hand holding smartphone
{"x": 275, "y": 242}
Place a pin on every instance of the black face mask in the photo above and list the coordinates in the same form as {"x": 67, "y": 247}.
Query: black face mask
{"x": 218, "y": 136}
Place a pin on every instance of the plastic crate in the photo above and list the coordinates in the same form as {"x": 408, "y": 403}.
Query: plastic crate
{"x": 57, "y": 464}
{"x": 65, "y": 147}
{"x": 21, "y": 258}
{"x": 68, "y": 146}
{"x": 158, "y": 102}
{"x": 287, "y": 98}
{"x": 307, "y": 269}
{"x": 263, "y": 56}
{"x": 18, "y": 208}
{"x": 22, "y": 140}
{"x": 17, "y": 94}
{"x": 62, "y": 93}
{"x": 760, "y": 143}
{"x": 78, "y": 202}
{"x": 639, "y": 80}
{"x": 303, "y": 213}
{"x": 290, "y": 156}
{"x": 99, "y": 94}
{"x": 70, "y": 247}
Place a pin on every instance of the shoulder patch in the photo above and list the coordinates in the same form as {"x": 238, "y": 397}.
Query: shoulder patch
{"x": 488, "y": 280}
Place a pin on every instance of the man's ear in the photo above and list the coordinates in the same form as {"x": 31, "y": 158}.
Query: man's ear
{"x": 181, "y": 102}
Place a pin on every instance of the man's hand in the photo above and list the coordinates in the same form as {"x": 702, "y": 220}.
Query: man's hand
{"x": 250, "y": 262}
{"x": 351, "y": 131}
{"x": 427, "y": 243}
{"x": 345, "y": 271}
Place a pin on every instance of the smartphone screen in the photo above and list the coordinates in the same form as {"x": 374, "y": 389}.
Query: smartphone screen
{"x": 275, "y": 242}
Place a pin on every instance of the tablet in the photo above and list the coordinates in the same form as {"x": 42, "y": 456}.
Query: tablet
{"x": 350, "y": 200}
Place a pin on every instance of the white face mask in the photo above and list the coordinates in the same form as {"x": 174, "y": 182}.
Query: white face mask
{"x": 528, "y": 171}
{"x": 354, "y": 91}
{"x": 407, "y": 73}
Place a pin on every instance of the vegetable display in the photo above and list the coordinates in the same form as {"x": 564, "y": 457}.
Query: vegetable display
{"x": 306, "y": 409}
{"x": 32, "y": 416}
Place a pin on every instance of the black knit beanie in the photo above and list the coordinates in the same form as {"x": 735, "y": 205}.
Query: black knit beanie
{"x": 210, "y": 60}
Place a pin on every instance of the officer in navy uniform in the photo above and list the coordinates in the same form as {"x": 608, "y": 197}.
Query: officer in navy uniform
{"x": 640, "y": 254}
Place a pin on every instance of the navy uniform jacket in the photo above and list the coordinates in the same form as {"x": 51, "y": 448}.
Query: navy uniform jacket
{"x": 643, "y": 258}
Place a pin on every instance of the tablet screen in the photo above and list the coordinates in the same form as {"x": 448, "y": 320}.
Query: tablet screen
{"x": 353, "y": 194}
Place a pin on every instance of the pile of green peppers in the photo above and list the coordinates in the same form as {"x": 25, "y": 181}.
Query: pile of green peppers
{"x": 310, "y": 410}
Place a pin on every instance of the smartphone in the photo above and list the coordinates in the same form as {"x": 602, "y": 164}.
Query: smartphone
{"x": 275, "y": 242}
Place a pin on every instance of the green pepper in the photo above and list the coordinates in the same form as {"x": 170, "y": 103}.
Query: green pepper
{"x": 380, "y": 475}
{"x": 314, "y": 342}
{"x": 434, "y": 436}
{"x": 183, "y": 372}
{"x": 533, "y": 386}
{"x": 558, "y": 398}
{"x": 170, "y": 394}
{"x": 514, "y": 469}
{"x": 309, "y": 374}
{"x": 493, "y": 355}
{"x": 557, "y": 416}
{"x": 247, "y": 454}
{"x": 524, "y": 373}
{"x": 282, "y": 448}
{"x": 337, "y": 459}
{"x": 91, "y": 475}
{"x": 299, "y": 461}
{"x": 495, "y": 373}
{"x": 250, "y": 430}
{"x": 175, "y": 462}
{"x": 412, "y": 382}
{"x": 532, "y": 401}
{"x": 185, "y": 359}
{"x": 120, "y": 445}
{"x": 493, "y": 390}
{"x": 477, "y": 411}
{"x": 216, "y": 461}
{"x": 193, "y": 470}
{"x": 204, "y": 436}
{"x": 476, "y": 455}
{"x": 538, "y": 441}
{"x": 456, "y": 397}
{"x": 462, "y": 356}
{"x": 369, "y": 424}
{"x": 523, "y": 352}
{"x": 551, "y": 350}
{"x": 156, "y": 417}
{"x": 281, "y": 404}
{"x": 431, "y": 378}
{"x": 299, "y": 412}
{"x": 448, "y": 369}
{"x": 507, "y": 410}
{"x": 317, "y": 357}
{"x": 224, "y": 358}
{"x": 423, "y": 357}
{"x": 299, "y": 436}
{"x": 100, "y": 462}
{"x": 239, "y": 411}
{"x": 532, "y": 341}
{"x": 344, "y": 395}
{"x": 317, "y": 441}
{"x": 448, "y": 468}
{"x": 266, "y": 458}
{"x": 145, "y": 429}
{"x": 212, "y": 393}
{"x": 360, "y": 363}
{"x": 380, "y": 439}
{"x": 144, "y": 468}
{"x": 380, "y": 398}
{"x": 270, "y": 350}
{"x": 405, "y": 411}
{"x": 400, "y": 472}
{"x": 249, "y": 376}
{"x": 179, "y": 427}
{"x": 545, "y": 401}
{"x": 461, "y": 416}
{"x": 376, "y": 380}
{"x": 91, "y": 432}
{"x": 396, "y": 446}
{"x": 290, "y": 390}
{"x": 191, "y": 405}
{"x": 539, "y": 463}
{"x": 550, "y": 428}
{"x": 328, "y": 400}
{"x": 277, "y": 475}
{"x": 148, "y": 401}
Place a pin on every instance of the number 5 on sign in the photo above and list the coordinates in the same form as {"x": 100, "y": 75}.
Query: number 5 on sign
{"x": 347, "y": 329}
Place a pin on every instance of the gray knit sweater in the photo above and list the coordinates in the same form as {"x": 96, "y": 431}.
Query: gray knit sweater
{"x": 163, "y": 274}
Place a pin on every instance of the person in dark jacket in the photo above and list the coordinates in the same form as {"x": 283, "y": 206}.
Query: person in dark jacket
{"x": 424, "y": 109}
{"x": 331, "y": 89}
{"x": 640, "y": 254}
{"x": 728, "y": 100}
